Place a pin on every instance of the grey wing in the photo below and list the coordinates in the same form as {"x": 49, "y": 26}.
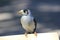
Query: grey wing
{"x": 35, "y": 24}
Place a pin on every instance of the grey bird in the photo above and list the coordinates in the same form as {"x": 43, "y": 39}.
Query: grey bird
{"x": 28, "y": 21}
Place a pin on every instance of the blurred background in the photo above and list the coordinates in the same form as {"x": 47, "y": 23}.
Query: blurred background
{"x": 46, "y": 12}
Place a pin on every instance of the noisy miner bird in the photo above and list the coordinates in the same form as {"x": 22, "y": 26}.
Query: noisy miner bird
{"x": 28, "y": 21}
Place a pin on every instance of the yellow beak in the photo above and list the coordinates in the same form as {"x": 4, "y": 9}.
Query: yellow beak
{"x": 20, "y": 12}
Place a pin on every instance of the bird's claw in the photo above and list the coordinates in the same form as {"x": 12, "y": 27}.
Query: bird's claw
{"x": 26, "y": 35}
{"x": 35, "y": 33}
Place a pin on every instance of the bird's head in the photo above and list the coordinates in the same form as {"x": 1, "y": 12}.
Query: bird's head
{"x": 24, "y": 12}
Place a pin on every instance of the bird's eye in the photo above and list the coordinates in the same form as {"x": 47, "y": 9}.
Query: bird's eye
{"x": 25, "y": 10}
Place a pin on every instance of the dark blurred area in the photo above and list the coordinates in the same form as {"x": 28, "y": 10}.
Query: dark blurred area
{"x": 4, "y": 2}
{"x": 46, "y": 12}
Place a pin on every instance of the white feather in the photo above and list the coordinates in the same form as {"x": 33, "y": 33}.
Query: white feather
{"x": 28, "y": 23}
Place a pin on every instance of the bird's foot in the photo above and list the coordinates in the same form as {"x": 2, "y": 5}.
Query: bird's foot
{"x": 26, "y": 35}
{"x": 35, "y": 33}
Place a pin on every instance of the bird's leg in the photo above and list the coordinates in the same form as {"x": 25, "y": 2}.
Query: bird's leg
{"x": 35, "y": 33}
{"x": 25, "y": 34}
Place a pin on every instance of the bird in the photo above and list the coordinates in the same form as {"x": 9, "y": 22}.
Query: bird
{"x": 28, "y": 22}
